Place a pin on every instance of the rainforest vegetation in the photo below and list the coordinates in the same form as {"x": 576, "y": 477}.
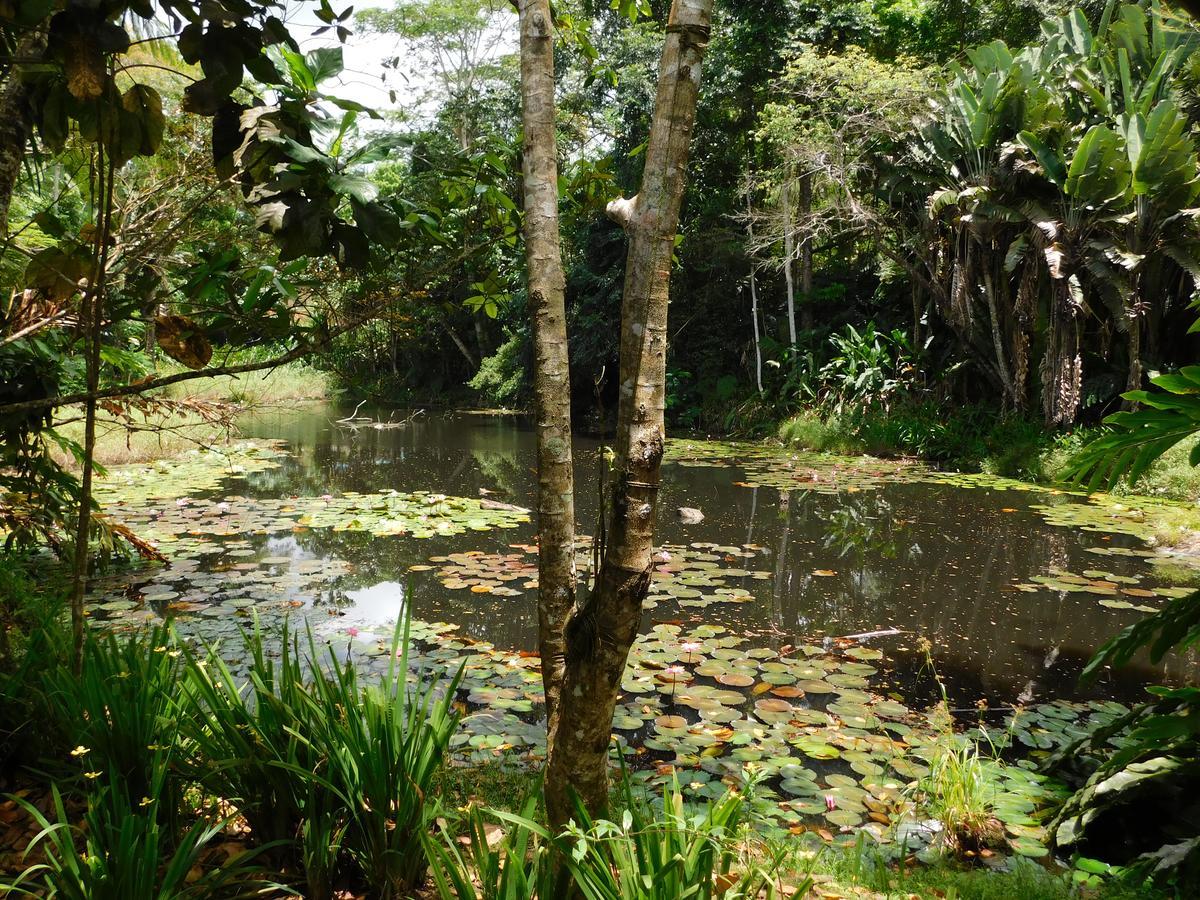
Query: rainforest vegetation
{"x": 632, "y": 449}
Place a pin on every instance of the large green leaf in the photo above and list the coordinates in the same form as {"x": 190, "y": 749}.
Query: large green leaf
{"x": 1100, "y": 169}
{"x": 1162, "y": 155}
{"x": 1137, "y": 438}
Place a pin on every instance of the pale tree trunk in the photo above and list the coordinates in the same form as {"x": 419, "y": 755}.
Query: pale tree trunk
{"x": 603, "y": 627}
{"x": 15, "y": 124}
{"x": 552, "y": 384}
{"x": 754, "y": 294}
{"x": 806, "y": 258}
{"x": 789, "y": 250}
{"x": 1006, "y": 381}
{"x": 1133, "y": 379}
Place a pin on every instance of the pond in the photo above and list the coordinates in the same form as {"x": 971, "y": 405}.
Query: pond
{"x": 933, "y": 560}
{"x": 786, "y": 626}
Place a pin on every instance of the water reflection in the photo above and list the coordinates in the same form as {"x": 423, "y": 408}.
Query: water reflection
{"x": 921, "y": 560}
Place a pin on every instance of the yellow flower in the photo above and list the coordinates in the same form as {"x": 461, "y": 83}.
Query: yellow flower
{"x": 146, "y": 801}
{"x": 80, "y": 750}
{"x": 92, "y": 775}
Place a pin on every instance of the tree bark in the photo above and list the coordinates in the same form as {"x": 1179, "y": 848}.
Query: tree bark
{"x": 16, "y": 124}
{"x": 603, "y": 627}
{"x": 789, "y": 250}
{"x": 754, "y": 294}
{"x": 1006, "y": 381}
{"x": 552, "y": 383}
{"x": 1133, "y": 378}
{"x": 806, "y": 257}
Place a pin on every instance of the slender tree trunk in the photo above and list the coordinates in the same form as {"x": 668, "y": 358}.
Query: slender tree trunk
{"x": 92, "y": 319}
{"x": 1006, "y": 382}
{"x": 552, "y": 384}
{"x": 15, "y": 123}
{"x": 602, "y": 629}
{"x": 789, "y": 250}
{"x": 806, "y": 258}
{"x": 754, "y": 294}
{"x": 1133, "y": 378}
{"x": 459, "y": 343}
{"x": 915, "y": 297}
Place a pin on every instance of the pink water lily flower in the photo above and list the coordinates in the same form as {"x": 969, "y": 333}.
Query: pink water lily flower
{"x": 830, "y": 803}
{"x": 690, "y": 646}
{"x": 352, "y": 631}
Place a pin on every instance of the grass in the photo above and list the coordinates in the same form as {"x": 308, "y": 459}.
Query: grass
{"x": 856, "y": 873}
{"x": 862, "y": 871}
{"x": 289, "y": 383}
{"x": 823, "y": 435}
{"x": 158, "y": 436}
{"x": 979, "y": 440}
{"x": 496, "y": 786}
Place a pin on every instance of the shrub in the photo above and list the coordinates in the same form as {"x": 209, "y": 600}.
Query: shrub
{"x": 518, "y": 866}
{"x": 123, "y": 851}
{"x": 120, "y": 712}
{"x": 666, "y": 854}
{"x": 338, "y": 772}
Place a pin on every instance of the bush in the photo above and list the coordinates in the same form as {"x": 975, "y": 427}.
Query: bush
{"x": 123, "y": 851}
{"x": 335, "y": 771}
{"x": 120, "y": 712}
{"x": 520, "y": 866}
{"x": 502, "y": 379}
{"x": 665, "y": 852}
{"x": 33, "y": 640}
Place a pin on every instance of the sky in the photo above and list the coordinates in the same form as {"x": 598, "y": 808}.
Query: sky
{"x": 364, "y": 55}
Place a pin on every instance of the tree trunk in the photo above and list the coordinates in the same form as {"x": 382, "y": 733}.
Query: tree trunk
{"x": 603, "y": 627}
{"x": 754, "y": 294}
{"x": 989, "y": 290}
{"x": 1133, "y": 378}
{"x": 459, "y": 343}
{"x": 15, "y": 123}
{"x": 806, "y": 258}
{"x": 789, "y": 250}
{"x": 92, "y": 319}
{"x": 552, "y": 385}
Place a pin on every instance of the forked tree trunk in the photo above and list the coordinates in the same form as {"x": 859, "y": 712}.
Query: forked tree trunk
{"x": 552, "y": 385}
{"x": 603, "y": 627}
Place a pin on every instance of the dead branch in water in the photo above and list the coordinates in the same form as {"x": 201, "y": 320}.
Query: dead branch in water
{"x": 354, "y": 421}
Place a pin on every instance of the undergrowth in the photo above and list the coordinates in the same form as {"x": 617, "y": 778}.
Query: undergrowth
{"x": 978, "y": 440}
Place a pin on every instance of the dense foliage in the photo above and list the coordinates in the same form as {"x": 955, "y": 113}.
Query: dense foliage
{"x": 895, "y": 209}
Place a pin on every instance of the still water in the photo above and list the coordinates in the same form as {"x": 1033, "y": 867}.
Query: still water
{"x": 925, "y": 561}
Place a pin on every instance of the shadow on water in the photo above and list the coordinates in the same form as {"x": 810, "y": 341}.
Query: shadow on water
{"x": 923, "y": 561}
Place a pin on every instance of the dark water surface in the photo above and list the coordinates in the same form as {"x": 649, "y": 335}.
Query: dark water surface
{"x": 932, "y": 561}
